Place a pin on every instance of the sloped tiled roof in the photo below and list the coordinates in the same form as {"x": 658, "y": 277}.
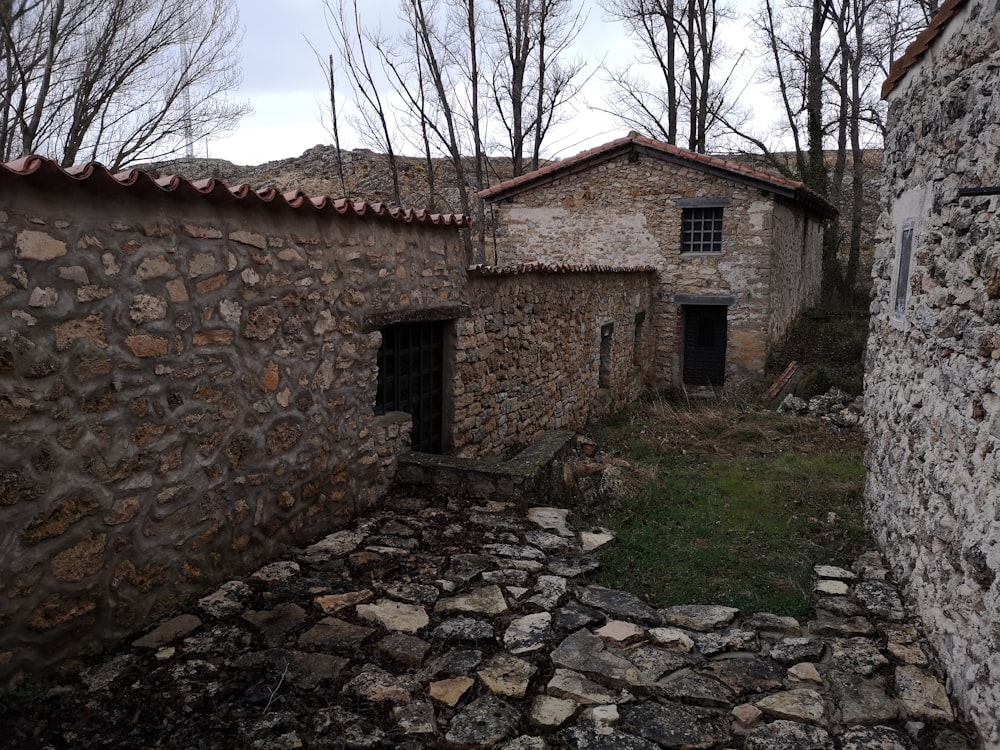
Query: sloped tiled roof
{"x": 919, "y": 46}
{"x": 94, "y": 177}
{"x": 723, "y": 167}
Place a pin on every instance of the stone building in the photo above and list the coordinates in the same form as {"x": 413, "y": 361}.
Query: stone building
{"x": 738, "y": 251}
{"x": 194, "y": 379}
{"x": 933, "y": 362}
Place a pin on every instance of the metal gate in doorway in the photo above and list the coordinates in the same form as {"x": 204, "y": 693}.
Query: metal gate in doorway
{"x": 411, "y": 379}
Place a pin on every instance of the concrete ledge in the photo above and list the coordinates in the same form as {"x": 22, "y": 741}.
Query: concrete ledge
{"x": 527, "y": 476}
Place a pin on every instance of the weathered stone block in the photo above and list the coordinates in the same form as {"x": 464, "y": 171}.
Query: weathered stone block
{"x": 34, "y": 245}
{"x": 144, "y": 345}
{"x": 59, "y": 517}
{"x": 92, "y": 330}
{"x": 85, "y": 558}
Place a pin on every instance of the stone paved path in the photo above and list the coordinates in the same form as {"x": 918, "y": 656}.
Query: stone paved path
{"x": 450, "y": 624}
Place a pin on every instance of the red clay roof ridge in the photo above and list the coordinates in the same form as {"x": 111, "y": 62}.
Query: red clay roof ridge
{"x": 919, "y": 46}
{"x": 95, "y": 176}
{"x": 634, "y": 137}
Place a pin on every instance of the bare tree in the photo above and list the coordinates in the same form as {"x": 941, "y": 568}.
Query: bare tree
{"x": 680, "y": 40}
{"x": 531, "y": 79}
{"x": 375, "y": 118}
{"x": 115, "y": 80}
{"x": 331, "y": 83}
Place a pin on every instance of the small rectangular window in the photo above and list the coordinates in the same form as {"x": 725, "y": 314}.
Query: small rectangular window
{"x": 701, "y": 229}
{"x": 640, "y": 326}
{"x": 903, "y": 271}
{"x": 604, "y": 373}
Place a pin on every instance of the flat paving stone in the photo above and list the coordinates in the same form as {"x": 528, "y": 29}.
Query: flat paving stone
{"x": 549, "y": 591}
{"x": 404, "y": 649}
{"x": 800, "y": 704}
{"x": 551, "y": 519}
{"x": 859, "y": 700}
{"x": 488, "y": 600}
{"x": 735, "y": 639}
{"x": 566, "y": 683}
{"x": 676, "y": 725}
{"x": 380, "y": 686}
{"x": 399, "y": 616}
{"x": 744, "y": 676}
{"x": 620, "y": 604}
{"x": 453, "y": 663}
{"x": 333, "y": 603}
{"x": 859, "y": 655}
{"x": 340, "y": 635}
{"x": 299, "y": 668}
{"x": 464, "y": 629}
{"x": 583, "y": 737}
{"x": 788, "y": 735}
{"x": 507, "y": 675}
{"x": 575, "y": 616}
{"x": 880, "y": 600}
{"x": 585, "y": 653}
{"x": 450, "y": 691}
{"x": 874, "y": 738}
{"x": 797, "y": 649}
{"x": 549, "y": 712}
{"x": 415, "y": 718}
{"x": 572, "y": 567}
{"x": 335, "y": 545}
{"x": 694, "y": 688}
{"x": 654, "y": 662}
{"x": 921, "y": 695}
{"x": 671, "y": 638}
{"x": 414, "y": 593}
{"x": 701, "y": 617}
{"x": 171, "y": 630}
{"x": 485, "y": 722}
{"x": 226, "y": 600}
{"x": 528, "y": 633}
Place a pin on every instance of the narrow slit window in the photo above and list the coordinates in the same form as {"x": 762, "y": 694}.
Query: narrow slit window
{"x": 640, "y": 327}
{"x": 903, "y": 271}
{"x": 604, "y": 373}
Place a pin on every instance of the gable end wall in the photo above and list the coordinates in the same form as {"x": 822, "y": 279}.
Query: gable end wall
{"x": 625, "y": 212}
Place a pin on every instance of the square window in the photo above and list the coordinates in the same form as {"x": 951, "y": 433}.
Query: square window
{"x": 701, "y": 230}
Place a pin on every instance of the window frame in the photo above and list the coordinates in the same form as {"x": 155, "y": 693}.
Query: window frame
{"x": 695, "y": 214}
{"x": 902, "y": 269}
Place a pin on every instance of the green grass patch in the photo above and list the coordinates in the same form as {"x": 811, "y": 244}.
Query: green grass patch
{"x": 737, "y": 508}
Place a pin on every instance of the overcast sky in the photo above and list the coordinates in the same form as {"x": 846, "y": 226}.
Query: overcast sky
{"x": 284, "y": 84}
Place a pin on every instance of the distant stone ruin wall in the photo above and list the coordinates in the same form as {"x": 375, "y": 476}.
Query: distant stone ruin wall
{"x": 186, "y": 389}
{"x": 626, "y": 213}
{"x": 529, "y": 357}
{"x": 932, "y": 387}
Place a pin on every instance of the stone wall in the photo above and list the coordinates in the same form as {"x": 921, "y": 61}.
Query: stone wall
{"x": 932, "y": 386}
{"x": 529, "y": 357}
{"x": 796, "y": 268}
{"x": 186, "y": 389}
{"x": 624, "y": 212}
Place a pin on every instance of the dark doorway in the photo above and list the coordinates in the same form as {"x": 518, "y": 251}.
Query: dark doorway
{"x": 704, "y": 344}
{"x": 410, "y": 379}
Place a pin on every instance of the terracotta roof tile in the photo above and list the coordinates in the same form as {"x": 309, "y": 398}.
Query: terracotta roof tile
{"x": 784, "y": 185}
{"x": 920, "y": 45}
{"x": 96, "y": 178}
{"x": 550, "y": 268}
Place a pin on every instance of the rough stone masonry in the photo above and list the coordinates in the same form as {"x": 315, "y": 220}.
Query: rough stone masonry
{"x": 933, "y": 383}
